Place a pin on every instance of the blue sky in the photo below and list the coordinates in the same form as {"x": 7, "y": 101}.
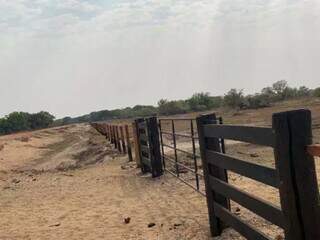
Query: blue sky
{"x": 72, "y": 57}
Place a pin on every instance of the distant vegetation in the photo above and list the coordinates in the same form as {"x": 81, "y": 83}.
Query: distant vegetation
{"x": 235, "y": 99}
{"x": 22, "y": 121}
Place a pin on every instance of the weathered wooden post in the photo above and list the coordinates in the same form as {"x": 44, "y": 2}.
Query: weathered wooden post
{"x": 298, "y": 188}
{"x": 154, "y": 145}
{"x": 115, "y": 137}
{"x": 135, "y": 131}
{"x": 118, "y": 139}
{"x": 108, "y": 132}
{"x": 124, "y": 149}
{"x": 128, "y": 142}
{"x": 111, "y": 133}
{"x": 216, "y": 225}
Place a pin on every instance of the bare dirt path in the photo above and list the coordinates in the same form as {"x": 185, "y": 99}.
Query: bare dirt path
{"x": 76, "y": 187}
{"x": 69, "y": 183}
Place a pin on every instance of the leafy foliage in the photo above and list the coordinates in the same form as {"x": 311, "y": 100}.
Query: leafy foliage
{"x": 316, "y": 92}
{"x": 279, "y": 91}
{"x": 203, "y": 101}
{"x": 234, "y": 98}
{"x": 166, "y": 107}
{"x": 22, "y": 121}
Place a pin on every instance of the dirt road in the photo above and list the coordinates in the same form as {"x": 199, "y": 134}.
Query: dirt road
{"x": 67, "y": 183}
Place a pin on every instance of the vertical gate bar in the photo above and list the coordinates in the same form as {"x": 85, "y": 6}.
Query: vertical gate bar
{"x": 129, "y": 148}
{"x": 154, "y": 146}
{"x": 194, "y": 155}
{"x": 135, "y": 131}
{"x": 175, "y": 148}
{"x": 162, "y": 148}
{"x": 205, "y": 143}
{"x": 223, "y": 147}
{"x": 124, "y": 149}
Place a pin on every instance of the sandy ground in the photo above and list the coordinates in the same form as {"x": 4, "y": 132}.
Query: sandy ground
{"x": 89, "y": 198}
{"x": 69, "y": 183}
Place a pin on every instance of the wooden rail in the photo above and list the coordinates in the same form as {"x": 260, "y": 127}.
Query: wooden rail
{"x": 294, "y": 176}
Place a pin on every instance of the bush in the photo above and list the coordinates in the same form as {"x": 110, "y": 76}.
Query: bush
{"x": 202, "y": 101}
{"x": 234, "y": 98}
{"x": 316, "y": 92}
{"x": 166, "y": 107}
{"x": 257, "y": 101}
{"x": 21, "y": 121}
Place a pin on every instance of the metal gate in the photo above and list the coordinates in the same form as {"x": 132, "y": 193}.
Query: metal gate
{"x": 183, "y": 162}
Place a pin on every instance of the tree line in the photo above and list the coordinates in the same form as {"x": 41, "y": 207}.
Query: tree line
{"x": 22, "y": 121}
{"x": 235, "y": 99}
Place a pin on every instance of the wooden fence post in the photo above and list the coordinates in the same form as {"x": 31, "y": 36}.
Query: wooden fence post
{"x": 135, "y": 131}
{"x": 118, "y": 139}
{"x": 154, "y": 145}
{"x": 111, "y": 136}
{"x": 216, "y": 225}
{"x": 126, "y": 128}
{"x": 115, "y": 137}
{"x": 299, "y": 191}
{"x": 124, "y": 149}
{"x": 108, "y": 131}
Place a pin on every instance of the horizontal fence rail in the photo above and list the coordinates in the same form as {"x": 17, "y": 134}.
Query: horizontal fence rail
{"x": 204, "y": 166}
{"x": 290, "y": 136}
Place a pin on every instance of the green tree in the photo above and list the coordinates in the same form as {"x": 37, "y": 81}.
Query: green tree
{"x": 316, "y": 92}
{"x": 18, "y": 121}
{"x": 166, "y": 107}
{"x": 234, "y": 98}
{"x": 200, "y": 101}
{"x": 40, "y": 120}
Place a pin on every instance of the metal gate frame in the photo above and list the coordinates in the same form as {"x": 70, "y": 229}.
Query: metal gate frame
{"x": 195, "y": 157}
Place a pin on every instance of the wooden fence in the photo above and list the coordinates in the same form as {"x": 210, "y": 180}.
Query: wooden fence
{"x": 149, "y": 148}
{"x": 118, "y": 135}
{"x": 294, "y": 174}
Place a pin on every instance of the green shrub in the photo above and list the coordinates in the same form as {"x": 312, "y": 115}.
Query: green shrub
{"x": 234, "y": 99}
{"x": 316, "y": 92}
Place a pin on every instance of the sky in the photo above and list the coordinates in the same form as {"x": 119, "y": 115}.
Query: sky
{"x": 72, "y": 57}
